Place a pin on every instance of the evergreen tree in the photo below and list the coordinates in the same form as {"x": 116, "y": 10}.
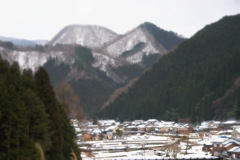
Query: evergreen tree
{"x": 68, "y": 135}
{"x": 47, "y": 95}
{"x": 29, "y": 114}
{"x": 37, "y": 119}
{"x": 189, "y": 80}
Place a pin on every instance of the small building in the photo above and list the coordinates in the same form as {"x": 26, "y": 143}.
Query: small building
{"x": 217, "y": 147}
{"x": 141, "y": 127}
{"x": 137, "y": 122}
{"x": 207, "y": 147}
{"x": 234, "y": 153}
{"x": 183, "y": 131}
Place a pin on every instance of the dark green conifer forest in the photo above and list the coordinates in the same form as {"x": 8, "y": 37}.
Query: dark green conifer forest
{"x": 198, "y": 80}
{"x": 30, "y": 114}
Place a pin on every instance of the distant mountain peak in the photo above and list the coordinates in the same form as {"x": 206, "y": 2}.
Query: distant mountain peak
{"x": 199, "y": 80}
{"x": 135, "y": 44}
{"x": 168, "y": 39}
{"x": 109, "y": 61}
{"x": 23, "y": 42}
{"x": 91, "y": 36}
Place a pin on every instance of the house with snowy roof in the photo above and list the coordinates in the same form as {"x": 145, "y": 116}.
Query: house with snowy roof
{"x": 234, "y": 153}
{"x": 142, "y": 127}
{"x": 137, "y": 122}
{"x": 181, "y": 128}
{"x": 228, "y": 124}
{"x": 152, "y": 121}
{"x": 229, "y": 147}
{"x": 106, "y": 123}
{"x": 226, "y": 148}
{"x": 217, "y": 146}
{"x": 207, "y": 146}
{"x": 209, "y": 125}
{"x": 164, "y": 126}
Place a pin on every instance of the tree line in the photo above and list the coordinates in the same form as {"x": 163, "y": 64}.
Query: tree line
{"x": 189, "y": 83}
{"x": 31, "y": 116}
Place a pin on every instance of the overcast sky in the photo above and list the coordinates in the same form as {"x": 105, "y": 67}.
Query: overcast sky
{"x": 42, "y": 19}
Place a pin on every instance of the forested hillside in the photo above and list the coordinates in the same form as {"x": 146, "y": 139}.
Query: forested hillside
{"x": 31, "y": 119}
{"x": 111, "y": 61}
{"x": 196, "y": 81}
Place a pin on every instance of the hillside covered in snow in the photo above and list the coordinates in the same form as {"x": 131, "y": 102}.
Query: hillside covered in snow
{"x": 93, "y": 59}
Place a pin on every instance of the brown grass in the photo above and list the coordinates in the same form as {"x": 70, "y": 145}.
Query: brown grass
{"x": 40, "y": 150}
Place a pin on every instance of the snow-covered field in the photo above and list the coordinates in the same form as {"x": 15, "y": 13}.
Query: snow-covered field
{"x": 142, "y": 147}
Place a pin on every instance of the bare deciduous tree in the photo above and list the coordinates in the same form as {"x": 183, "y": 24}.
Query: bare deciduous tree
{"x": 70, "y": 100}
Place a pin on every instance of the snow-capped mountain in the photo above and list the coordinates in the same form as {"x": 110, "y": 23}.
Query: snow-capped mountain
{"x": 85, "y": 35}
{"x": 109, "y": 61}
{"x": 134, "y": 45}
{"x": 109, "y": 50}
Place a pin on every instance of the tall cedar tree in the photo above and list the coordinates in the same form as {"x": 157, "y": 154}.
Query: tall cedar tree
{"x": 47, "y": 95}
{"x": 27, "y": 118}
{"x": 69, "y": 135}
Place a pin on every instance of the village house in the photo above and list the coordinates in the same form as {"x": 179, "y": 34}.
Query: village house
{"x": 183, "y": 129}
{"x": 209, "y": 126}
{"x": 131, "y": 128}
{"x": 207, "y": 147}
{"x": 229, "y": 146}
{"x": 103, "y": 124}
{"x": 228, "y": 125}
{"x": 224, "y": 148}
{"x": 165, "y": 127}
{"x": 152, "y": 121}
{"x": 234, "y": 153}
{"x": 141, "y": 127}
{"x": 137, "y": 122}
{"x": 217, "y": 147}
{"x": 111, "y": 130}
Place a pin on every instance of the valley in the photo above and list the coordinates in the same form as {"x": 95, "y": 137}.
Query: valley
{"x": 120, "y": 80}
{"x": 94, "y": 60}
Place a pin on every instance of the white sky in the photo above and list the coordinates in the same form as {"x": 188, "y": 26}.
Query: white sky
{"x": 42, "y": 19}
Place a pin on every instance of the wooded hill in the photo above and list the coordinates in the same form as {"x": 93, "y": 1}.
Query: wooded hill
{"x": 199, "y": 80}
{"x": 95, "y": 73}
{"x": 31, "y": 119}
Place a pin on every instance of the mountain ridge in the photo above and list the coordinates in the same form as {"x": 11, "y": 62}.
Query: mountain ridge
{"x": 183, "y": 85}
{"x": 92, "y": 72}
{"x": 23, "y": 42}
{"x": 71, "y": 33}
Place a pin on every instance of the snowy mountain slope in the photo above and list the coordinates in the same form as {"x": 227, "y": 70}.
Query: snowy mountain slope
{"x": 106, "y": 63}
{"x": 130, "y": 42}
{"x": 109, "y": 62}
{"x": 103, "y": 61}
{"x": 85, "y": 35}
{"x": 110, "y": 51}
{"x": 33, "y": 59}
{"x": 144, "y": 40}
